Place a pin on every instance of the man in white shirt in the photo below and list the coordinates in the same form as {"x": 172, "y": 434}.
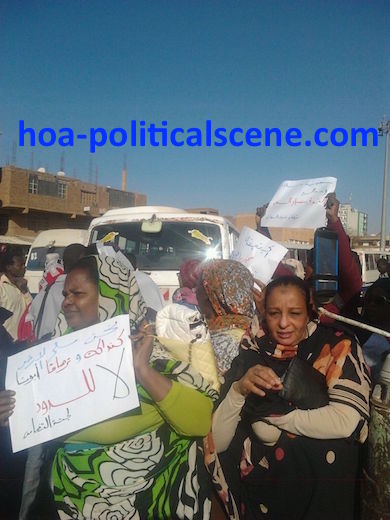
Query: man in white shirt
{"x": 14, "y": 294}
{"x": 382, "y": 266}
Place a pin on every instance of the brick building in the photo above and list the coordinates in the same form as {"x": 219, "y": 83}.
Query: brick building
{"x": 305, "y": 236}
{"x": 33, "y": 201}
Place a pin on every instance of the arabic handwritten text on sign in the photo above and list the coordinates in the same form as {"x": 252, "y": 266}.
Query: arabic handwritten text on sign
{"x": 258, "y": 253}
{"x": 300, "y": 204}
{"x": 71, "y": 382}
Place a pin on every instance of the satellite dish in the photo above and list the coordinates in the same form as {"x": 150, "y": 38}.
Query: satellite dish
{"x": 61, "y": 174}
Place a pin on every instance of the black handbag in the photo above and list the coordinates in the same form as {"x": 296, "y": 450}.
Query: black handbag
{"x": 304, "y": 386}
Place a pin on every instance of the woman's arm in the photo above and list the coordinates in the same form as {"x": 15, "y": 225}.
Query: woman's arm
{"x": 227, "y": 415}
{"x": 334, "y": 421}
{"x": 349, "y": 274}
{"x": 226, "y": 419}
{"x": 187, "y": 410}
{"x": 349, "y": 391}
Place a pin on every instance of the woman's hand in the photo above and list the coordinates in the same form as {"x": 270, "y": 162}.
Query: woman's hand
{"x": 257, "y": 378}
{"x": 142, "y": 343}
{"x": 155, "y": 383}
{"x": 7, "y": 405}
{"x": 332, "y": 208}
{"x": 258, "y": 296}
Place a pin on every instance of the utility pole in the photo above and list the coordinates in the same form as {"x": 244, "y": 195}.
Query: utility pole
{"x": 384, "y": 129}
{"x": 62, "y": 162}
{"x": 90, "y": 173}
{"x": 13, "y": 159}
{"x": 124, "y": 174}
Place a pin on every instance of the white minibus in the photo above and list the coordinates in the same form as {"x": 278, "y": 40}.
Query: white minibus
{"x": 368, "y": 259}
{"x": 298, "y": 251}
{"x": 162, "y": 238}
{"x": 54, "y": 239}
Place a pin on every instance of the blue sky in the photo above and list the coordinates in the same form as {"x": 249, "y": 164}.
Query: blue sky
{"x": 305, "y": 64}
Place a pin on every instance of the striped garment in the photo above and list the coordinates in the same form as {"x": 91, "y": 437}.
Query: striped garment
{"x": 302, "y": 464}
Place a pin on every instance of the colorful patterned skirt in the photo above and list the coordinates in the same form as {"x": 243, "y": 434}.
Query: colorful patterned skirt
{"x": 157, "y": 475}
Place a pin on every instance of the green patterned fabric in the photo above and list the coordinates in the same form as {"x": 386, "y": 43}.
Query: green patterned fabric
{"x": 155, "y": 475}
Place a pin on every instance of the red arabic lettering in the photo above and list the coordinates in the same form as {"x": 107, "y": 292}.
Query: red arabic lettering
{"x": 101, "y": 346}
{"x": 46, "y": 405}
{"x": 57, "y": 367}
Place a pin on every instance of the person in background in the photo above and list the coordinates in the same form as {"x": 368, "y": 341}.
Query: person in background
{"x": 260, "y": 212}
{"x": 296, "y": 267}
{"x": 225, "y": 299}
{"x": 376, "y": 312}
{"x": 149, "y": 289}
{"x": 11, "y": 464}
{"x": 283, "y": 459}
{"x": 350, "y": 280}
{"x": 45, "y": 307}
{"x": 54, "y": 267}
{"x": 382, "y": 266}
{"x": 188, "y": 279}
{"x": 14, "y": 293}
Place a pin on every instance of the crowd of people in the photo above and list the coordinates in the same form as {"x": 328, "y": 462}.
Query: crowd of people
{"x": 252, "y": 405}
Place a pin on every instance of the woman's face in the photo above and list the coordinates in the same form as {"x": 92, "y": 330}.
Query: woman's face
{"x": 286, "y": 315}
{"x": 80, "y": 303}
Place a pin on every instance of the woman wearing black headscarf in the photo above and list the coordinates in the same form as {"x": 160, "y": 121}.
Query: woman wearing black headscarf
{"x": 376, "y": 312}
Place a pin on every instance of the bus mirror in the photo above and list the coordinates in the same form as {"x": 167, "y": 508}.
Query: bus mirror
{"x": 153, "y": 225}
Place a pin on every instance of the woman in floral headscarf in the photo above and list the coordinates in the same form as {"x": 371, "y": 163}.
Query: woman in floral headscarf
{"x": 147, "y": 463}
{"x": 225, "y": 298}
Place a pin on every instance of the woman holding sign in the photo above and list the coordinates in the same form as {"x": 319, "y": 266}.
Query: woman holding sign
{"x": 146, "y": 463}
{"x": 293, "y": 413}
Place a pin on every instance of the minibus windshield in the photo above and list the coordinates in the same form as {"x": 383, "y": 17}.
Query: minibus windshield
{"x": 169, "y": 248}
{"x": 37, "y": 257}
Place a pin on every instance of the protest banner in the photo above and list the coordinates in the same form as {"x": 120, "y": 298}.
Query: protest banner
{"x": 258, "y": 253}
{"x": 71, "y": 382}
{"x": 299, "y": 204}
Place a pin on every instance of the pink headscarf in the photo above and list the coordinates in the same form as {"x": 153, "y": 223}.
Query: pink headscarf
{"x": 189, "y": 273}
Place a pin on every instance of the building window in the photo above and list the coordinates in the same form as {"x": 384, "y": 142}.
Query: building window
{"x": 33, "y": 184}
{"x": 46, "y": 187}
{"x": 120, "y": 199}
{"x": 61, "y": 189}
{"x": 88, "y": 198}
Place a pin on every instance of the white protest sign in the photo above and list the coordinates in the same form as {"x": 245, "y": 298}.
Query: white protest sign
{"x": 299, "y": 204}
{"x": 258, "y": 253}
{"x": 71, "y": 382}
